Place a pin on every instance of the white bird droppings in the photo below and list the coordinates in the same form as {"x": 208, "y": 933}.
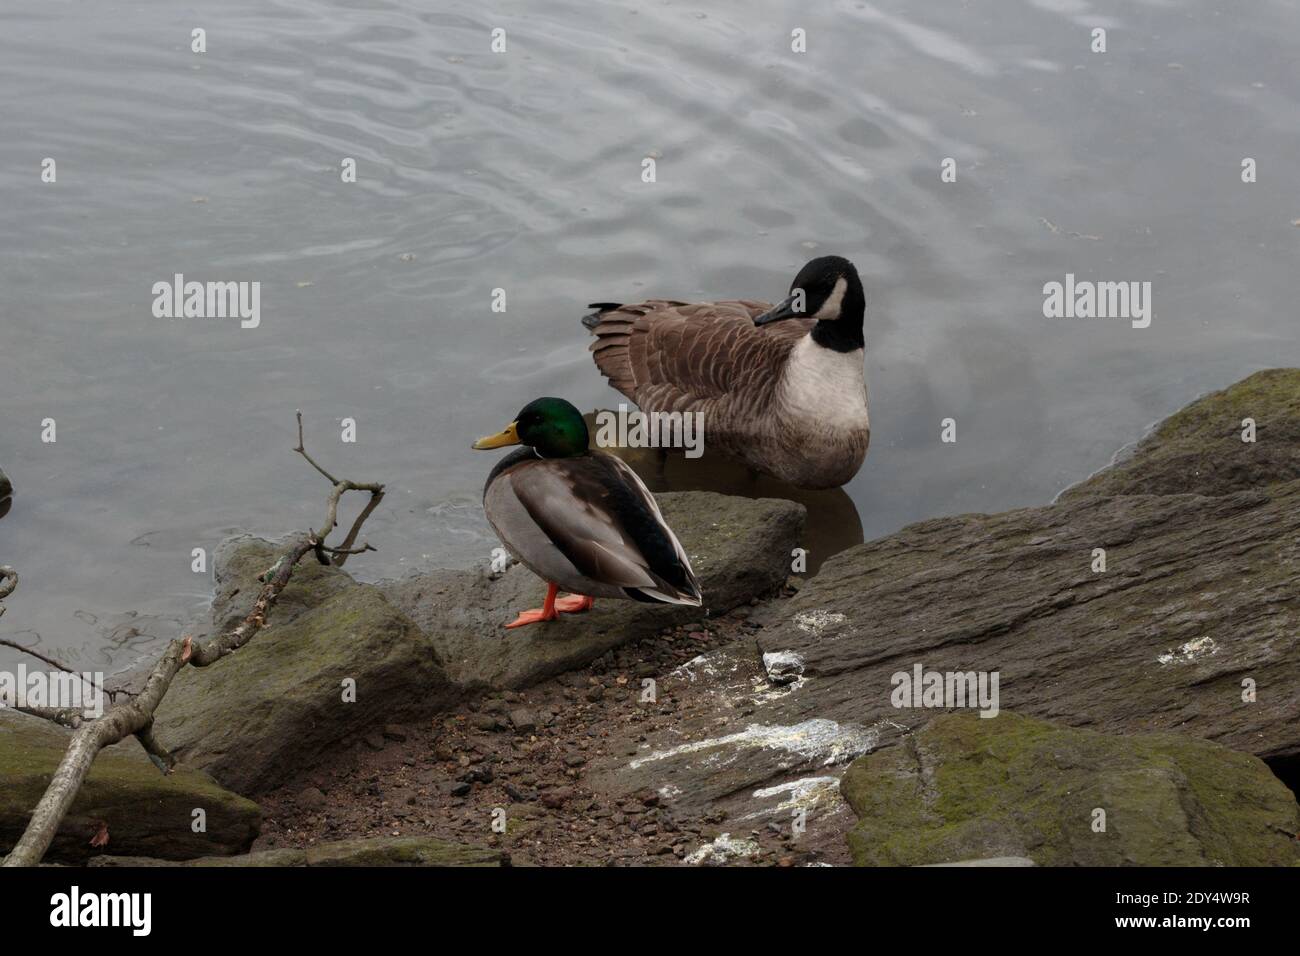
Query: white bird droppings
{"x": 816, "y": 739}
{"x": 722, "y": 849}
{"x": 1189, "y": 652}
{"x": 814, "y": 622}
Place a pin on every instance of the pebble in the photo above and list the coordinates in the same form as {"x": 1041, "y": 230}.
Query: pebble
{"x": 523, "y": 720}
{"x": 311, "y": 799}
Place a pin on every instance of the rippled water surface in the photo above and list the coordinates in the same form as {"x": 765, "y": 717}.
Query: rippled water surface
{"x": 522, "y": 171}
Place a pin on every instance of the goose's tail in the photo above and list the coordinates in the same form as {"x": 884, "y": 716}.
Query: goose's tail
{"x": 593, "y": 320}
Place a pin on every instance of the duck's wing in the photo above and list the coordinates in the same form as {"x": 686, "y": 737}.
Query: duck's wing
{"x": 672, "y": 356}
{"x": 590, "y": 525}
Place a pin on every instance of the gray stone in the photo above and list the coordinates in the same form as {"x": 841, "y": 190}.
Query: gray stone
{"x": 378, "y": 851}
{"x": 146, "y": 812}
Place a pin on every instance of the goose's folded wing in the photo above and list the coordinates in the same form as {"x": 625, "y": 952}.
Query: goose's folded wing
{"x": 673, "y": 354}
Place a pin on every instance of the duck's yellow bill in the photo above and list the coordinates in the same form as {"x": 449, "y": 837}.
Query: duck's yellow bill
{"x": 508, "y": 437}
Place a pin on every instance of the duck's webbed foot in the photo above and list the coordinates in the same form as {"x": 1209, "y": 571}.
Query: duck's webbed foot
{"x": 547, "y": 612}
{"x": 575, "y": 603}
{"x": 534, "y": 616}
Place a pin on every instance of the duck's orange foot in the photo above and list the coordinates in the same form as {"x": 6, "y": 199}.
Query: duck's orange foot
{"x": 534, "y": 616}
{"x": 574, "y": 603}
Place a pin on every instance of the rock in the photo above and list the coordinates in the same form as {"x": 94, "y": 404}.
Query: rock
{"x": 966, "y": 787}
{"x": 395, "y": 732}
{"x": 484, "y": 722}
{"x": 147, "y": 813}
{"x": 992, "y": 861}
{"x": 378, "y": 851}
{"x": 523, "y": 720}
{"x": 259, "y": 716}
{"x": 1199, "y": 450}
{"x": 557, "y": 797}
{"x": 1198, "y": 597}
{"x": 739, "y": 548}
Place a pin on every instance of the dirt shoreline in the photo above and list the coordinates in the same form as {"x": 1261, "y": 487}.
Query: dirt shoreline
{"x": 528, "y": 752}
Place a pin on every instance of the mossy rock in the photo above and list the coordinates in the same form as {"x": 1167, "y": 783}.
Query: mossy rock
{"x": 146, "y": 812}
{"x": 966, "y": 787}
{"x": 378, "y": 851}
{"x": 277, "y": 706}
{"x": 1199, "y": 450}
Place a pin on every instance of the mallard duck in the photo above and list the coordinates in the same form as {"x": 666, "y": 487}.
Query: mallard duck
{"x": 780, "y": 387}
{"x": 580, "y": 520}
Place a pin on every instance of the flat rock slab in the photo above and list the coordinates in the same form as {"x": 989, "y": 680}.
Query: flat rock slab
{"x": 147, "y": 813}
{"x": 740, "y": 549}
{"x": 966, "y": 787}
{"x": 257, "y": 717}
{"x": 1198, "y": 596}
{"x": 379, "y": 851}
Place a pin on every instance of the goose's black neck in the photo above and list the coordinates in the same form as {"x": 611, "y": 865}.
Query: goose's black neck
{"x": 845, "y": 333}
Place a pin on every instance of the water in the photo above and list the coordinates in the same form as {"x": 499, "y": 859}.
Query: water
{"x": 522, "y": 171}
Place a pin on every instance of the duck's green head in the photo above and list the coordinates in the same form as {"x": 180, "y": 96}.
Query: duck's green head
{"x": 551, "y": 425}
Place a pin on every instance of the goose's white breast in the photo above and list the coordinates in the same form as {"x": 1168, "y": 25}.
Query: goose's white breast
{"x": 825, "y": 387}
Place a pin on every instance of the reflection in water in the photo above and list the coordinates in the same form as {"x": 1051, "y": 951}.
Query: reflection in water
{"x": 833, "y": 520}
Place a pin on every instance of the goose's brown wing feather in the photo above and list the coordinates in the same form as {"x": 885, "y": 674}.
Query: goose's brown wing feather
{"x": 672, "y": 356}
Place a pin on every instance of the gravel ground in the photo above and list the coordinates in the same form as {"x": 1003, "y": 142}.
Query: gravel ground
{"x": 524, "y": 755}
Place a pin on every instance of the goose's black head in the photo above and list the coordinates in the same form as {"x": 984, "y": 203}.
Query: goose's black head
{"x": 826, "y": 289}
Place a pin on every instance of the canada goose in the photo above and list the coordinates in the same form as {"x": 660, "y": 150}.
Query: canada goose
{"x": 580, "y": 520}
{"x": 780, "y": 387}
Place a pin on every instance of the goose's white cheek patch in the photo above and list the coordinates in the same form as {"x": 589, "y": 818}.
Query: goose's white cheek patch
{"x": 831, "y": 307}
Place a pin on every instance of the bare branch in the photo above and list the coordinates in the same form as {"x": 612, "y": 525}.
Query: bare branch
{"x": 160, "y": 755}
{"x": 302, "y": 450}
{"x": 68, "y": 718}
{"x": 342, "y": 551}
{"x": 56, "y": 664}
{"x": 136, "y": 716}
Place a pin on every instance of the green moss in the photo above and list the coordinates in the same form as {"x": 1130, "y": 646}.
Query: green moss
{"x": 146, "y": 811}
{"x": 966, "y": 787}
